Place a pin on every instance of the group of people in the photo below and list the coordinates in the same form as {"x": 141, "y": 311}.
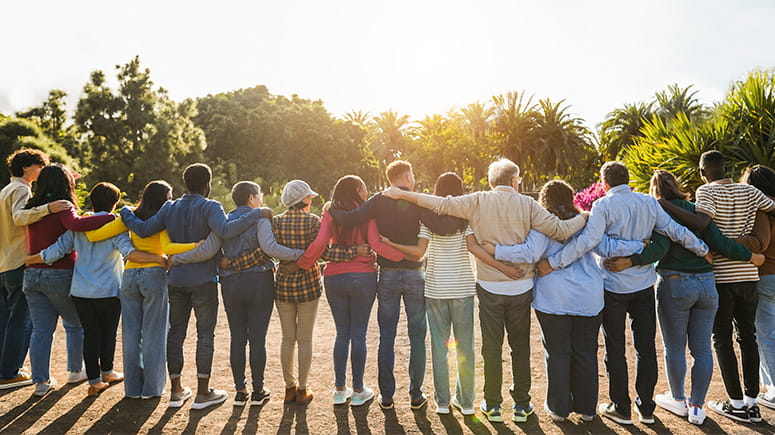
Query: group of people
{"x": 704, "y": 269}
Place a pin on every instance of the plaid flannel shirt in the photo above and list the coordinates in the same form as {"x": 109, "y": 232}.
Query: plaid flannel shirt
{"x": 258, "y": 257}
{"x": 296, "y": 229}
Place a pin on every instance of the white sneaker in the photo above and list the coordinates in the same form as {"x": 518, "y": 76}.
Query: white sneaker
{"x": 464, "y": 411}
{"x": 766, "y": 400}
{"x": 696, "y": 415}
{"x": 362, "y": 397}
{"x": 440, "y": 409}
{"x": 43, "y": 388}
{"x": 76, "y": 377}
{"x": 341, "y": 396}
{"x": 177, "y": 399}
{"x": 677, "y": 407}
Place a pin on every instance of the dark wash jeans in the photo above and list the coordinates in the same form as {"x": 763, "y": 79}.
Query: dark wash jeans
{"x": 512, "y": 313}
{"x": 640, "y": 306}
{"x": 393, "y": 285}
{"x": 248, "y": 298}
{"x": 571, "y": 362}
{"x": 737, "y": 305}
{"x": 204, "y": 300}
{"x": 15, "y": 323}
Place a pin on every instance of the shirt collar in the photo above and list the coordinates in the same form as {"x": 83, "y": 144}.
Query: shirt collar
{"x": 21, "y": 180}
{"x": 504, "y": 189}
{"x": 722, "y": 181}
{"x": 619, "y": 189}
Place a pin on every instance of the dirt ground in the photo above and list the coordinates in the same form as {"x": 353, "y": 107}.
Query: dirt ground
{"x": 67, "y": 410}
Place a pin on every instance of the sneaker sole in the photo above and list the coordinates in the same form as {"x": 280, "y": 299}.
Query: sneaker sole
{"x": 494, "y": 419}
{"x": 733, "y": 417}
{"x": 203, "y": 405}
{"x": 766, "y": 403}
{"x": 681, "y": 413}
{"x": 178, "y": 403}
{"x": 617, "y": 419}
{"x": 259, "y": 402}
{"x": 465, "y": 412}
{"x": 356, "y": 404}
{"x": 418, "y": 406}
{"x": 240, "y": 403}
{"x": 16, "y": 384}
{"x": 524, "y": 419}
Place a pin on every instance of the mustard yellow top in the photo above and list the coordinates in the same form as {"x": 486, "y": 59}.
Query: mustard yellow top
{"x": 158, "y": 243}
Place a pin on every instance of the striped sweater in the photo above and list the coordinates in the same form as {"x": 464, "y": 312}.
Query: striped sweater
{"x": 733, "y": 208}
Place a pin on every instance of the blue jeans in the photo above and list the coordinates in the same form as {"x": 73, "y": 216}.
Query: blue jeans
{"x": 15, "y": 323}
{"x": 445, "y": 315}
{"x": 392, "y": 286}
{"x": 350, "y": 296}
{"x": 248, "y": 298}
{"x": 686, "y": 306}
{"x": 144, "y": 323}
{"x": 765, "y": 330}
{"x": 47, "y": 292}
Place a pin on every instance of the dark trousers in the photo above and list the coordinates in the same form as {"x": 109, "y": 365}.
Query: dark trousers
{"x": 571, "y": 362}
{"x": 203, "y": 299}
{"x": 737, "y": 307}
{"x": 248, "y": 298}
{"x": 99, "y": 318}
{"x": 15, "y": 323}
{"x": 512, "y": 313}
{"x": 641, "y": 308}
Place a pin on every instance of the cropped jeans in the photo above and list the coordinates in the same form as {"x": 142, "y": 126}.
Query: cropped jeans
{"x": 48, "y": 298}
{"x": 144, "y": 323}
{"x": 350, "y": 296}
{"x": 686, "y": 306}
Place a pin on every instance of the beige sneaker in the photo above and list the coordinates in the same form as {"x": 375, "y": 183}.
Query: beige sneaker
{"x": 21, "y": 379}
{"x": 177, "y": 399}
{"x": 212, "y": 397}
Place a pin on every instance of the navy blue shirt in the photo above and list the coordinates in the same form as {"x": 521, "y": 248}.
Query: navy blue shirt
{"x": 187, "y": 219}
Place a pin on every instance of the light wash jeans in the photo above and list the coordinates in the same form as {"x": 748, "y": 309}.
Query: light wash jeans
{"x": 445, "y": 315}
{"x": 350, "y": 296}
{"x": 765, "y": 331}
{"x": 686, "y": 306}
{"x": 393, "y": 285}
{"x": 48, "y": 297}
{"x": 144, "y": 323}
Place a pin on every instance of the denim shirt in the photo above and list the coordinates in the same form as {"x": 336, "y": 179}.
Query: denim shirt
{"x": 190, "y": 218}
{"x": 626, "y": 215}
{"x": 99, "y": 265}
{"x": 576, "y": 290}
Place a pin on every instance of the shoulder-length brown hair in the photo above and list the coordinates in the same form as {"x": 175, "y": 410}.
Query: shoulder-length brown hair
{"x": 664, "y": 185}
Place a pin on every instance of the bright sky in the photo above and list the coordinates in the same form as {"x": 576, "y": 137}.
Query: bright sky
{"x": 413, "y": 56}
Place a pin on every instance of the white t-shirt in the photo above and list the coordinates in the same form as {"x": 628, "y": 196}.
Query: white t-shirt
{"x": 449, "y": 271}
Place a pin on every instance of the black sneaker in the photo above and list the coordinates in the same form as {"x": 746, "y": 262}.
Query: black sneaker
{"x": 241, "y": 398}
{"x": 609, "y": 410}
{"x": 419, "y": 403}
{"x": 754, "y": 414}
{"x": 258, "y": 398}
{"x": 726, "y": 409}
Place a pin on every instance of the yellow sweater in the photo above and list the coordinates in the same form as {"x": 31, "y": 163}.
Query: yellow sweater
{"x": 158, "y": 243}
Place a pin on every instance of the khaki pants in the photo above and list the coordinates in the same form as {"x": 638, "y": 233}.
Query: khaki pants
{"x": 297, "y": 320}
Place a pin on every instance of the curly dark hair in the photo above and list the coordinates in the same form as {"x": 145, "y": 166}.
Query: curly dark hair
{"x": 557, "y": 197}
{"x": 760, "y": 177}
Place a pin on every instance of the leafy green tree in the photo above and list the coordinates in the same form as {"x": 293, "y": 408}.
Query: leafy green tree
{"x": 136, "y": 134}
{"x": 18, "y": 133}
{"x": 514, "y": 119}
{"x": 675, "y": 100}
{"x": 51, "y": 116}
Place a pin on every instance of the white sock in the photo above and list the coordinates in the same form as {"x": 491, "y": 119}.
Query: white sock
{"x": 749, "y": 401}
{"x": 737, "y": 403}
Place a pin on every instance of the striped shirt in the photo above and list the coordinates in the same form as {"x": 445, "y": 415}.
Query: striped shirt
{"x": 733, "y": 207}
{"x": 449, "y": 272}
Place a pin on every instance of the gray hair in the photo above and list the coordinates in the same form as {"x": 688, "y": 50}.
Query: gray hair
{"x": 501, "y": 172}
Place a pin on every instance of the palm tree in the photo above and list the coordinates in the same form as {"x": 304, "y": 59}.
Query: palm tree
{"x": 359, "y": 118}
{"x": 561, "y": 141}
{"x": 677, "y": 100}
{"x": 514, "y": 119}
{"x": 622, "y": 126}
{"x": 388, "y": 139}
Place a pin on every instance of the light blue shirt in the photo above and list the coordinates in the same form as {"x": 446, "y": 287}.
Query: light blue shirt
{"x": 98, "y": 265}
{"x": 576, "y": 290}
{"x": 626, "y": 215}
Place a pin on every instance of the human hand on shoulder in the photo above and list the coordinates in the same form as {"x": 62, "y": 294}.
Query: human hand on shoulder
{"x": 393, "y": 192}
{"x": 60, "y": 205}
